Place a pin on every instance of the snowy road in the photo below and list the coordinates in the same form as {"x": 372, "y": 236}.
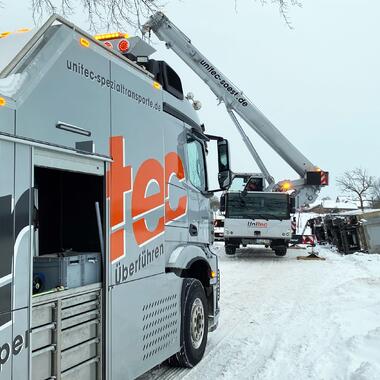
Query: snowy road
{"x": 287, "y": 319}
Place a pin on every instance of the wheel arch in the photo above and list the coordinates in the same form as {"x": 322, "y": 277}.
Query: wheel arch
{"x": 193, "y": 262}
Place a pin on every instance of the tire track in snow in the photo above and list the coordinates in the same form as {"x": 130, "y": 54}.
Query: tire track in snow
{"x": 282, "y": 319}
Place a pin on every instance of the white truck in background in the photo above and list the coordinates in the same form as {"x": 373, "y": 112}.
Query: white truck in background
{"x": 254, "y": 216}
{"x": 251, "y": 216}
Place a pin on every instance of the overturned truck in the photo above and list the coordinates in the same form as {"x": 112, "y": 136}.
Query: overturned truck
{"x": 349, "y": 231}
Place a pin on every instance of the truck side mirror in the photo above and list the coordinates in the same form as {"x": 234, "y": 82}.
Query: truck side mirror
{"x": 225, "y": 175}
{"x": 222, "y": 205}
{"x": 292, "y": 202}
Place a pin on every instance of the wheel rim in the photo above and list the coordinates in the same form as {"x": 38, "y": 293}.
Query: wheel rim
{"x": 197, "y": 323}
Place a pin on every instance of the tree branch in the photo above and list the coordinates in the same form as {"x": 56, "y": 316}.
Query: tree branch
{"x": 357, "y": 181}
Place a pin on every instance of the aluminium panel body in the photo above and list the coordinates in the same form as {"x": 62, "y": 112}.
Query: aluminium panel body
{"x": 14, "y": 260}
{"x": 145, "y": 324}
{"x": 136, "y": 180}
{"x": 149, "y": 195}
{"x": 22, "y": 245}
{"x": 64, "y": 83}
{"x": 177, "y": 221}
{"x": 6, "y": 231}
{"x": 7, "y": 120}
{"x": 6, "y": 257}
{"x": 148, "y": 207}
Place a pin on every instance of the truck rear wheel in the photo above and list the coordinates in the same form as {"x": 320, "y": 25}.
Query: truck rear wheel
{"x": 194, "y": 325}
{"x": 280, "y": 251}
{"x": 230, "y": 249}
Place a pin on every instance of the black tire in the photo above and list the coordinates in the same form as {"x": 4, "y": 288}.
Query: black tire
{"x": 280, "y": 251}
{"x": 230, "y": 249}
{"x": 194, "y": 328}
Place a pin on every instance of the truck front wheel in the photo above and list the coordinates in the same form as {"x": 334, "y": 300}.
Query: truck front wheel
{"x": 194, "y": 325}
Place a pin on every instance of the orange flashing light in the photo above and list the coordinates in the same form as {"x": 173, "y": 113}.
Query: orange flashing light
{"x": 84, "y": 42}
{"x": 111, "y": 36}
{"x": 156, "y": 85}
{"x": 3, "y": 102}
{"x": 286, "y": 186}
{"x": 23, "y": 30}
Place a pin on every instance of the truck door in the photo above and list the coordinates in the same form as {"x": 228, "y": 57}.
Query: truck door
{"x": 199, "y": 217}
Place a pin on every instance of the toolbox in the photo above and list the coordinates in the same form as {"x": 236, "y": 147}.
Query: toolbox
{"x": 67, "y": 269}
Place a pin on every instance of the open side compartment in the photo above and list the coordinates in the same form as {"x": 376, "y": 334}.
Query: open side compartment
{"x": 67, "y": 240}
{"x": 67, "y": 317}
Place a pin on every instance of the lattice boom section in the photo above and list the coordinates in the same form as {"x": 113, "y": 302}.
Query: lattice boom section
{"x": 160, "y": 325}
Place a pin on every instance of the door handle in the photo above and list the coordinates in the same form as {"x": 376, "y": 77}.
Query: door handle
{"x": 193, "y": 230}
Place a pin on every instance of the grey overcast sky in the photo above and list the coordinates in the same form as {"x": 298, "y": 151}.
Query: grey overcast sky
{"x": 319, "y": 83}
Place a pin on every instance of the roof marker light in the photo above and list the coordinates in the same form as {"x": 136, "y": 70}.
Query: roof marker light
{"x": 4, "y": 34}
{"x": 23, "y": 30}
{"x": 84, "y": 42}
{"x": 110, "y": 36}
{"x": 123, "y": 46}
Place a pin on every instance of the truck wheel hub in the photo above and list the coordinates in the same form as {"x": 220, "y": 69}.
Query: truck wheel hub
{"x": 197, "y": 324}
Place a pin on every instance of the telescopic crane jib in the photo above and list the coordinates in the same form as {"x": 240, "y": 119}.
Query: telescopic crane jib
{"x": 307, "y": 187}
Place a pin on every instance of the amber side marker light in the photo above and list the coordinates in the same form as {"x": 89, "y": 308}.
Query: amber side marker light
{"x": 156, "y": 85}
{"x": 212, "y": 274}
{"x": 3, "y": 102}
{"x": 84, "y": 42}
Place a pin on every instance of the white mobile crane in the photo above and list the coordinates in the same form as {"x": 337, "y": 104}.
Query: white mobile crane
{"x": 251, "y": 215}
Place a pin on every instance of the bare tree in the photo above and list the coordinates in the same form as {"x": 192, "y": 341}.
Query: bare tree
{"x": 101, "y": 13}
{"x": 283, "y": 7}
{"x": 357, "y": 181}
{"x": 376, "y": 194}
{"x": 123, "y": 13}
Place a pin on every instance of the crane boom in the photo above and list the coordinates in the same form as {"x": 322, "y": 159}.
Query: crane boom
{"x": 227, "y": 92}
{"x": 307, "y": 187}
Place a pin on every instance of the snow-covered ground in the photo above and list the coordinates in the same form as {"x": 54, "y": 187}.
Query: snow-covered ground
{"x": 287, "y": 319}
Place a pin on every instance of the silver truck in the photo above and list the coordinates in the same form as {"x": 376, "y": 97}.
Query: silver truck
{"x": 262, "y": 216}
{"x": 105, "y": 223}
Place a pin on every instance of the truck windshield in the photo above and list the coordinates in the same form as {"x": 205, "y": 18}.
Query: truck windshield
{"x": 257, "y": 205}
{"x": 238, "y": 183}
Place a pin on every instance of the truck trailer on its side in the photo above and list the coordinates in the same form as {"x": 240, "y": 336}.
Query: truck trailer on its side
{"x": 105, "y": 224}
